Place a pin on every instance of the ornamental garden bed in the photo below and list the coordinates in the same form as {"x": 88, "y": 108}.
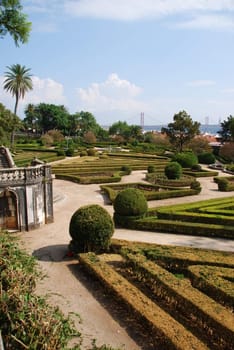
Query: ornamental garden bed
{"x": 211, "y": 218}
{"x": 165, "y": 290}
{"x": 151, "y": 192}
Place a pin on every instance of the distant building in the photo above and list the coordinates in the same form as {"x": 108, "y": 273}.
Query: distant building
{"x": 26, "y": 195}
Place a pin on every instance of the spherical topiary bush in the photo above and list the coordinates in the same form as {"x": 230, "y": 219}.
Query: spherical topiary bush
{"x": 129, "y": 204}
{"x": 91, "y": 152}
{"x": 186, "y": 159}
{"x": 173, "y": 170}
{"x": 91, "y": 228}
{"x": 206, "y": 158}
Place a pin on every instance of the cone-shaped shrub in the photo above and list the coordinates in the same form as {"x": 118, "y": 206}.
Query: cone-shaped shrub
{"x": 91, "y": 228}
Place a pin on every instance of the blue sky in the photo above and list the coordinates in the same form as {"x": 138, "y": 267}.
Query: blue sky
{"x": 118, "y": 58}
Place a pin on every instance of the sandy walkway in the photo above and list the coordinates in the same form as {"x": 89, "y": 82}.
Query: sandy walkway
{"x": 71, "y": 289}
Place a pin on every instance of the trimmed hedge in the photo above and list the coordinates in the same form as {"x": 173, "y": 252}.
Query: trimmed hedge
{"x": 197, "y": 308}
{"x": 150, "y": 315}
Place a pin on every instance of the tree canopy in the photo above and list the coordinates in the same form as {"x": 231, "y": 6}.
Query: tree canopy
{"x": 13, "y": 21}
{"x": 227, "y": 129}
{"x": 182, "y": 130}
{"x": 125, "y": 131}
{"x": 8, "y": 123}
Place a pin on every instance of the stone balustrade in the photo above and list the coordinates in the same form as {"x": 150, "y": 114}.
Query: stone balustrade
{"x": 24, "y": 176}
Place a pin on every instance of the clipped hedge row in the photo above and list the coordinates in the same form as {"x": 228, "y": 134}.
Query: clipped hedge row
{"x": 151, "y": 192}
{"x": 89, "y": 180}
{"x": 159, "y": 179}
{"x": 202, "y": 173}
{"x": 150, "y": 314}
{"x": 199, "y": 311}
{"x": 214, "y": 281}
{"x": 187, "y": 228}
{"x": 195, "y": 217}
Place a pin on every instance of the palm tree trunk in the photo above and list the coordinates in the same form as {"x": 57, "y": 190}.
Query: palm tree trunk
{"x": 13, "y": 130}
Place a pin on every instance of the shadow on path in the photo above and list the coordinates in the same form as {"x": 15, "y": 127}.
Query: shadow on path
{"x": 117, "y": 309}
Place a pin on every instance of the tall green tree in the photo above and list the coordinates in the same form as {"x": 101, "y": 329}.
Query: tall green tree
{"x": 126, "y": 131}
{"x": 182, "y": 130}
{"x": 87, "y": 122}
{"x": 227, "y": 129}
{"x": 13, "y": 21}
{"x": 50, "y": 117}
{"x": 8, "y": 123}
{"x": 17, "y": 81}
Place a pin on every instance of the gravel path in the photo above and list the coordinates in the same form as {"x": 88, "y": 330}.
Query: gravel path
{"x": 70, "y": 288}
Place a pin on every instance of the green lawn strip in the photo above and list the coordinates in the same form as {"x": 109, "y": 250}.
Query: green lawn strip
{"x": 169, "y": 333}
{"x": 215, "y": 281}
{"x": 206, "y": 218}
{"x": 199, "y": 204}
{"x": 198, "y": 309}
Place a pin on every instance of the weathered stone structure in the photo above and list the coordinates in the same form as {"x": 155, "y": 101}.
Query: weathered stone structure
{"x": 26, "y": 196}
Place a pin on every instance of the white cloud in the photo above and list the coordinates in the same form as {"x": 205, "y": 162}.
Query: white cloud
{"x": 228, "y": 91}
{"x": 219, "y": 22}
{"x": 114, "y": 95}
{"x": 139, "y": 9}
{"x": 201, "y": 83}
{"x": 44, "y": 90}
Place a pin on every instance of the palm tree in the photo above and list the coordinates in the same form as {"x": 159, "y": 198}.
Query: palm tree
{"x": 18, "y": 81}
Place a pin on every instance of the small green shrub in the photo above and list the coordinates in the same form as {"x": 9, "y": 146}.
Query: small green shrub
{"x": 196, "y": 167}
{"x": 130, "y": 202}
{"x": 206, "y": 158}
{"x": 222, "y": 184}
{"x": 195, "y": 185}
{"x": 173, "y": 170}
{"x": 83, "y": 153}
{"x": 91, "y": 228}
{"x": 70, "y": 152}
{"x": 151, "y": 169}
{"x": 186, "y": 159}
{"x": 91, "y": 152}
{"x": 126, "y": 168}
{"x": 60, "y": 152}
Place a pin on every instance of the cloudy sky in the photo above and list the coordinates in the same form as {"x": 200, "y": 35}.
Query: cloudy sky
{"x": 119, "y": 58}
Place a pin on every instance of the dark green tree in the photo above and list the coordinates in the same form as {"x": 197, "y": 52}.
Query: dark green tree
{"x": 50, "y": 117}
{"x": 182, "y": 130}
{"x": 87, "y": 122}
{"x": 8, "y": 122}
{"x": 227, "y": 129}
{"x": 13, "y": 21}
{"x": 125, "y": 131}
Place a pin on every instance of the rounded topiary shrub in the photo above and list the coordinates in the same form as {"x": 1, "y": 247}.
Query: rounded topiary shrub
{"x": 70, "y": 152}
{"x": 91, "y": 152}
{"x": 130, "y": 202}
{"x": 173, "y": 170}
{"x": 186, "y": 159}
{"x": 151, "y": 169}
{"x": 195, "y": 185}
{"x": 91, "y": 228}
{"x": 206, "y": 158}
{"x": 83, "y": 154}
{"x": 196, "y": 167}
{"x": 127, "y": 169}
